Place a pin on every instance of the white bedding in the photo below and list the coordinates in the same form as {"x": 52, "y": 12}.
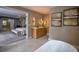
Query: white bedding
{"x": 6, "y": 36}
{"x": 56, "y": 46}
{"x": 9, "y": 37}
{"x": 21, "y": 31}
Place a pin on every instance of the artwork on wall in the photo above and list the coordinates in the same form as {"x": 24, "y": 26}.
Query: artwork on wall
{"x": 70, "y": 17}
{"x": 70, "y": 22}
{"x": 56, "y": 19}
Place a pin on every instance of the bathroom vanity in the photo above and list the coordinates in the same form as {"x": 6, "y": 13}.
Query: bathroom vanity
{"x": 38, "y": 32}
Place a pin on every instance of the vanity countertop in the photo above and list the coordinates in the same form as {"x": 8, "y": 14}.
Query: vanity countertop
{"x": 37, "y": 27}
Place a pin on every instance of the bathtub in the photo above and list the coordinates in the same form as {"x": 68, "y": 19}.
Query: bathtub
{"x": 56, "y": 46}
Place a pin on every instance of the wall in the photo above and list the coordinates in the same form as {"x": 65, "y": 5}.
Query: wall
{"x": 12, "y": 14}
{"x": 46, "y": 18}
{"x": 11, "y": 21}
{"x": 31, "y": 14}
{"x": 65, "y": 33}
{"x": 0, "y": 25}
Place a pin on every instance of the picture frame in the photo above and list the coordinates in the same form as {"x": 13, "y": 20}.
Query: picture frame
{"x": 56, "y": 23}
{"x": 70, "y": 22}
{"x": 70, "y": 17}
{"x": 56, "y": 19}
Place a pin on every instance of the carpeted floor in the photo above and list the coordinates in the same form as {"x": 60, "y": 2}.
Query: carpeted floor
{"x": 26, "y": 45}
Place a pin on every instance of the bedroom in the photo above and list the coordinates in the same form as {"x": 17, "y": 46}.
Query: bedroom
{"x": 12, "y": 25}
{"x": 68, "y": 34}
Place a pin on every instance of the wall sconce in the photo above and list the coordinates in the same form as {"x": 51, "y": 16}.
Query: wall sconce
{"x": 45, "y": 22}
{"x": 33, "y": 21}
{"x": 41, "y": 22}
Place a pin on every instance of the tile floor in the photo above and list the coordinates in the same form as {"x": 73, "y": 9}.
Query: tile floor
{"x": 26, "y": 45}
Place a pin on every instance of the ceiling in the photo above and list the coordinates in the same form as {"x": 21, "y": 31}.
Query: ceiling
{"x": 10, "y": 12}
{"x": 39, "y": 9}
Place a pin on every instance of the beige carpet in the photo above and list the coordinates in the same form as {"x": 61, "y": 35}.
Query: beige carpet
{"x": 27, "y": 45}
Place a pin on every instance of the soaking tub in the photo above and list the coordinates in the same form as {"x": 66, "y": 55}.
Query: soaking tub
{"x": 56, "y": 46}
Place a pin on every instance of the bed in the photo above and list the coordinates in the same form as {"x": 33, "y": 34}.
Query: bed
{"x": 56, "y": 46}
{"x": 19, "y": 31}
{"x": 12, "y": 36}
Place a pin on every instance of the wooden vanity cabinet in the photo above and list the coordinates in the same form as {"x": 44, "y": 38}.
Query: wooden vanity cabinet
{"x": 39, "y": 32}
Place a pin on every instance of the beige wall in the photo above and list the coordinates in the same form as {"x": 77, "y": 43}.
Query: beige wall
{"x": 31, "y": 15}
{"x": 46, "y": 18}
{"x": 65, "y": 33}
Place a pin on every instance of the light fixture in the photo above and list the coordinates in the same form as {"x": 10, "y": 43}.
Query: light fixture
{"x": 41, "y": 22}
{"x": 33, "y": 21}
{"x": 45, "y": 22}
